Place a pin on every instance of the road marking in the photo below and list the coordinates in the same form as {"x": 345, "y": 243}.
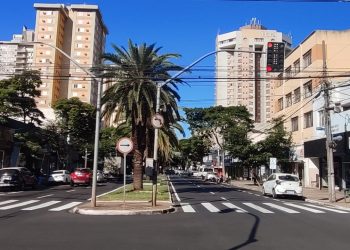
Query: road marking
{"x": 250, "y": 193}
{"x": 257, "y": 195}
{"x": 223, "y": 198}
{"x": 210, "y": 207}
{"x": 67, "y": 206}
{"x": 176, "y": 195}
{"x": 18, "y": 204}
{"x": 17, "y": 192}
{"x": 187, "y": 208}
{"x": 46, "y": 204}
{"x": 237, "y": 209}
{"x": 276, "y": 200}
{"x": 7, "y": 202}
{"x": 44, "y": 196}
{"x": 70, "y": 191}
{"x": 244, "y": 191}
{"x": 305, "y": 208}
{"x": 328, "y": 209}
{"x": 212, "y": 192}
{"x": 260, "y": 209}
{"x": 287, "y": 210}
{"x": 198, "y": 186}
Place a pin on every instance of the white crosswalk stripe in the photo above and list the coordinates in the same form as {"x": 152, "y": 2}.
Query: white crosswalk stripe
{"x": 237, "y": 209}
{"x": 187, "y": 208}
{"x": 21, "y": 204}
{"x": 284, "y": 209}
{"x": 328, "y": 209}
{"x": 67, "y": 206}
{"x": 7, "y": 202}
{"x": 258, "y": 208}
{"x": 210, "y": 207}
{"x": 305, "y": 208}
{"x": 46, "y": 204}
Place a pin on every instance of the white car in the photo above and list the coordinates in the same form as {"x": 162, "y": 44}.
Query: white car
{"x": 100, "y": 176}
{"x": 57, "y": 176}
{"x": 282, "y": 184}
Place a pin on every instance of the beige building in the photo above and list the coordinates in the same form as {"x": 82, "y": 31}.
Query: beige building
{"x": 241, "y": 74}
{"x": 296, "y": 91}
{"x": 79, "y": 31}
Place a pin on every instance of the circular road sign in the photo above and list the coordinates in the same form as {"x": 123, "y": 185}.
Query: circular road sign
{"x": 125, "y": 145}
{"x": 157, "y": 121}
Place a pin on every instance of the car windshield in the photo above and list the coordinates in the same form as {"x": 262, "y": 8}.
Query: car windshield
{"x": 8, "y": 172}
{"x": 58, "y": 172}
{"x": 83, "y": 170}
{"x": 288, "y": 178}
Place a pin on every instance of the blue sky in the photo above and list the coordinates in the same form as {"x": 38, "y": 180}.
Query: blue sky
{"x": 189, "y": 27}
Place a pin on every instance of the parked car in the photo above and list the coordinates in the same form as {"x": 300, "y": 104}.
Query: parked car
{"x": 81, "y": 176}
{"x": 100, "y": 176}
{"x": 211, "y": 176}
{"x": 282, "y": 184}
{"x": 17, "y": 177}
{"x": 59, "y": 176}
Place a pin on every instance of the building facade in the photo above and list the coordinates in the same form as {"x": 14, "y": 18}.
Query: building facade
{"x": 297, "y": 98}
{"x": 241, "y": 75}
{"x": 79, "y": 31}
{"x": 16, "y": 56}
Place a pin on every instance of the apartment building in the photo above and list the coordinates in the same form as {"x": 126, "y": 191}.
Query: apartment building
{"x": 241, "y": 75}
{"x": 16, "y": 56}
{"x": 79, "y": 31}
{"x": 298, "y": 101}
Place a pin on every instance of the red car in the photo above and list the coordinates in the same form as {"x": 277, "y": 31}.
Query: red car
{"x": 81, "y": 176}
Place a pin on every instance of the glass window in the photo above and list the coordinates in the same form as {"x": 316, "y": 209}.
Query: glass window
{"x": 321, "y": 118}
{"x": 296, "y": 65}
{"x": 280, "y": 104}
{"x": 288, "y": 178}
{"x": 308, "y": 120}
{"x": 297, "y": 95}
{"x": 307, "y": 59}
{"x": 295, "y": 123}
{"x": 307, "y": 89}
{"x": 289, "y": 100}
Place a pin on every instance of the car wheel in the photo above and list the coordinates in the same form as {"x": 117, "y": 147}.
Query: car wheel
{"x": 263, "y": 191}
{"x": 274, "y": 195}
{"x": 22, "y": 186}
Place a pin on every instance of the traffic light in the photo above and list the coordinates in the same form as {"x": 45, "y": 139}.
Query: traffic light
{"x": 275, "y": 57}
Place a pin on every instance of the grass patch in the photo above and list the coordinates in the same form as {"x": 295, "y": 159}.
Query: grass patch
{"x": 141, "y": 195}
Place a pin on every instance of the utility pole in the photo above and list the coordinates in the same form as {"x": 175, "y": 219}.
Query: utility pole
{"x": 328, "y": 129}
{"x": 85, "y": 158}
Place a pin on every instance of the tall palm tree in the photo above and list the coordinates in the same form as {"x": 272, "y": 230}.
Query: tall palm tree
{"x": 135, "y": 73}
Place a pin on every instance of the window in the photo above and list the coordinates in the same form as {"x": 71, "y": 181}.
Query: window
{"x": 320, "y": 122}
{"x": 80, "y": 21}
{"x": 75, "y": 94}
{"x": 280, "y": 104}
{"x": 307, "y": 59}
{"x": 297, "y": 95}
{"x": 79, "y": 45}
{"x": 308, "y": 89}
{"x": 79, "y": 37}
{"x": 289, "y": 100}
{"x": 295, "y": 122}
{"x": 296, "y": 66}
{"x": 288, "y": 72}
{"x": 75, "y": 86}
{"x": 44, "y": 93}
{"x": 308, "y": 120}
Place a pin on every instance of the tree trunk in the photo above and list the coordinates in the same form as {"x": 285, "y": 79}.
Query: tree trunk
{"x": 139, "y": 133}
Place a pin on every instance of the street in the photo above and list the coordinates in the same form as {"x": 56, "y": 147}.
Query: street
{"x": 208, "y": 216}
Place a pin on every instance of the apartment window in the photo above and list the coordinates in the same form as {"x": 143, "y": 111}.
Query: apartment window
{"x": 308, "y": 120}
{"x": 80, "y": 14}
{"x": 296, "y": 65}
{"x": 307, "y": 59}
{"x": 79, "y": 37}
{"x": 320, "y": 121}
{"x": 79, "y": 45}
{"x": 75, "y": 94}
{"x": 288, "y": 72}
{"x": 308, "y": 89}
{"x": 289, "y": 100}
{"x": 78, "y": 53}
{"x": 44, "y": 93}
{"x": 80, "y": 21}
{"x": 280, "y": 104}
{"x": 81, "y": 29}
{"x": 297, "y": 95}
{"x": 49, "y": 20}
{"x": 50, "y": 28}
{"x": 295, "y": 122}
{"x": 279, "y": 81}
{"x": 47, "y": 52}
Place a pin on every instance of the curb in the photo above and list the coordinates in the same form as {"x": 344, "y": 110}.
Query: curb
{"x": 327, "y": 204}
{"x": 87, "y": 211}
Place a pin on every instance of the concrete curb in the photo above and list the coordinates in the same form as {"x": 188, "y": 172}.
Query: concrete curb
{"x": 90, "y": 211}
{"x": 327, "y": 204}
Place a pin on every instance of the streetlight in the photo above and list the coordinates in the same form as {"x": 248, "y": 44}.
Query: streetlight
{"x": 98, "y": 110}
{"x": 159, "y": 86}
{"x": 3, "y": 157}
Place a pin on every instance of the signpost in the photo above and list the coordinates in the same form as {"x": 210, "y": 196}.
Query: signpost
{"x": 273, "y": 163}
{"x": 124, "y": 146}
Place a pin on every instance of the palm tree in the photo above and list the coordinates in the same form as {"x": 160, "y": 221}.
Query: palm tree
{"x": 132, "y": 97}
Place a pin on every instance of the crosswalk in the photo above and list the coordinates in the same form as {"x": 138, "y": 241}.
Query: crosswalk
{"x": 30, "y": 205}
{"x": 263, "y": 207}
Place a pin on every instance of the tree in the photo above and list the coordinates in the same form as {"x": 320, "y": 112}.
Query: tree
{"x": 18, "y": 95}
{"x": 135, "y": 73}
{"x": 194, "y": 148}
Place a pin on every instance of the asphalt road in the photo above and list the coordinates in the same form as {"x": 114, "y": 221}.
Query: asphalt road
{"x": 245, "y": 224}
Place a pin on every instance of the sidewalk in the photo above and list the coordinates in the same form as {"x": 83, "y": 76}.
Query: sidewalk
{"x": 313, "y": 195}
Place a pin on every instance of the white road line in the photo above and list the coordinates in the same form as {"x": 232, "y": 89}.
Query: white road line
{"x": 257, "y": 195}
{"x": 22, "y": 204}
{"x": 17, "y": 192}
{"x": 250, "y": 193}
{"x": 244, "y": 191}
{"x": 284, "y": 209}
{"x": 212, "y": 192}
{"x": 305, "y": 208}
{"x": 176, "y": 195}
{"x": 223, "y": 198}
{"x": 7, "y": 202}
{"x": 210, "y": 207}
{"x": 198, "y": 186}
{"x": 237, "y": 209}
{"x": 328, "y": 209}
{"x": 67, "y": 206}
{"x": 260, "y": 209}
{"x": 46, "y": 204}
{"x": 44, "y": 196}
{"x": 187, "y": 208}
{"x": 70, "y": 191}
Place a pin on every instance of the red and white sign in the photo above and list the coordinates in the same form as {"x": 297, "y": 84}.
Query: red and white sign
{"x": 125, "y": 145}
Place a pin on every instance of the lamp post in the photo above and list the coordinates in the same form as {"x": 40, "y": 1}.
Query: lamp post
{"x": 159, "y": 86}
{"x": 2, "y": 158}
{"x": 98, "y": 109}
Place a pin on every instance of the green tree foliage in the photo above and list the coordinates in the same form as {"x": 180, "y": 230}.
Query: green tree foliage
{"x": 17, "y": 97}
{"x": 110, "y": 136}
{"x": 194, "y": 149}
{"x": 135, "y": 72}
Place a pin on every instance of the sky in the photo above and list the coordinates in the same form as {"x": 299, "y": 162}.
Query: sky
{"x": 189, "y": 27}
